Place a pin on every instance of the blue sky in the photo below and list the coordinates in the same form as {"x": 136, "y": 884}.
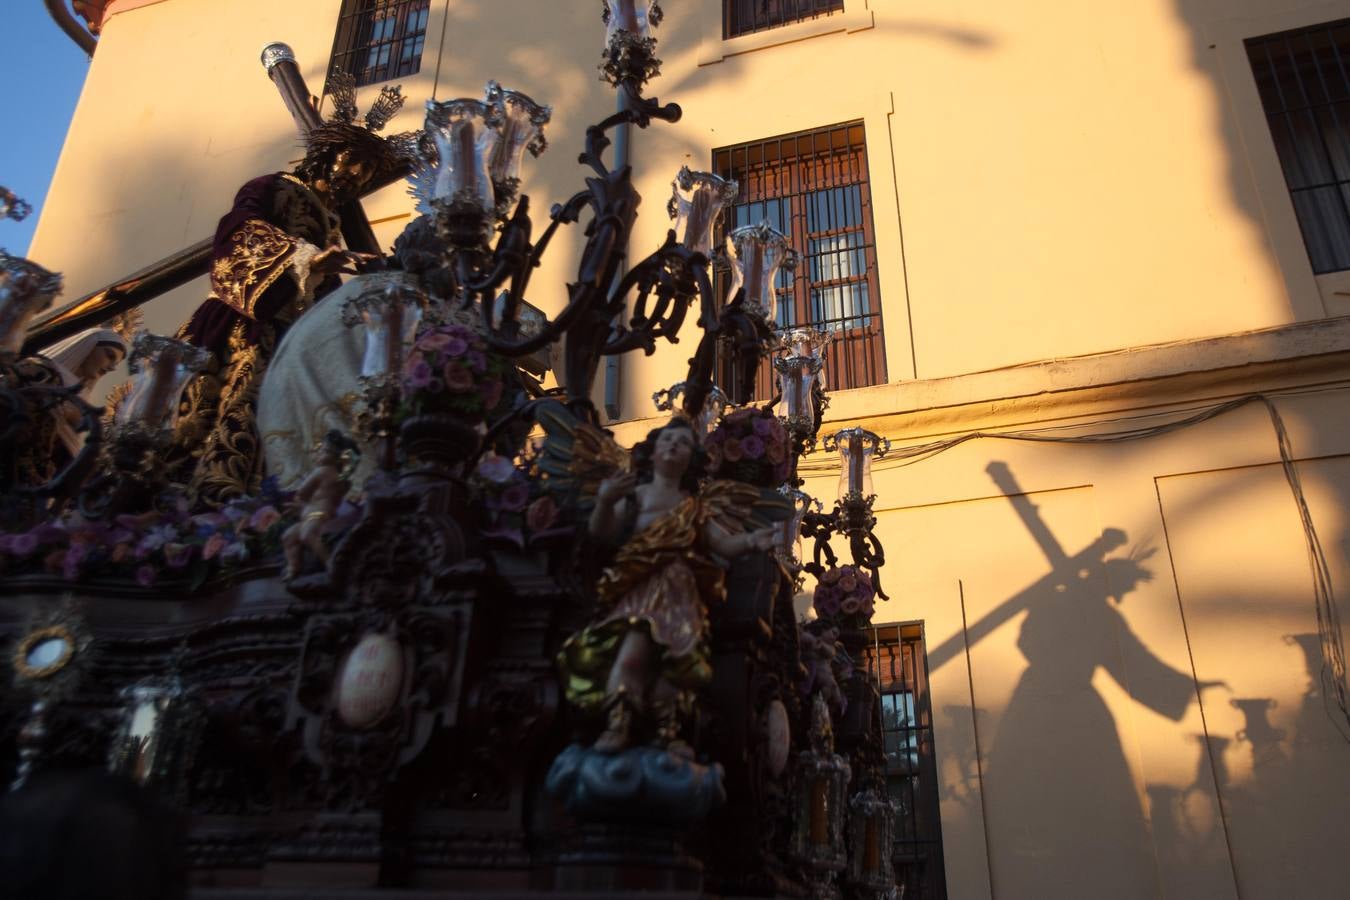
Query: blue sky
{"x": 41, "y": 72}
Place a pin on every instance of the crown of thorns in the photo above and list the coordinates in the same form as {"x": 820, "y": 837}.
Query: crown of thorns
{"x": 341, "y": 132}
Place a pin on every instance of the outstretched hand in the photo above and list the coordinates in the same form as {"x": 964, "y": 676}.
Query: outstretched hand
{"x": 334, "y": 259}
{"x": 615, "y": 488}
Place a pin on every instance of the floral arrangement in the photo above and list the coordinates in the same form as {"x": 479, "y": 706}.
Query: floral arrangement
{"x": 749, "y": 445}
{"x": 845, "y": 594}
{"x": 151, "y": 545}
{"x": 451, "y": 370}
{"x": 515, "y": 508}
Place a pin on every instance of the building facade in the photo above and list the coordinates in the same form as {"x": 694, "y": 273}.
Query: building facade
{"x": 1087, "y": 267}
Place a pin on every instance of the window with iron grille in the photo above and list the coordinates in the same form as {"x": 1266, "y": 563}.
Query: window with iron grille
{"x": 745, "y": 16}
{"x": 379, "y": 40}
{"x": 1303, "y": 77}
{"x": 897, "y": 659}
{"x": 813, "y": 187}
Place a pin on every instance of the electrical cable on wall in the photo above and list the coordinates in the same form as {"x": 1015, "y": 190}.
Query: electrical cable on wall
{"x": 1333, "y": 674}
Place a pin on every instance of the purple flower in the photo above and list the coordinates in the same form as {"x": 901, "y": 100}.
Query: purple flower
{"x": 145, "y": 575}
{"x": 515, "y": 497}
{"x": 753, "y": 447}
{"x": 826, "y": 600}
{"x": 157, "y": 537}
{"x": 496, "y": 468}
{"x": 456, "y": 346}
{"x": 22, "y": 544}
{"x": 419, "y": 374}
{"x": 477, "y": 361}
{"x": 763, "y": 426}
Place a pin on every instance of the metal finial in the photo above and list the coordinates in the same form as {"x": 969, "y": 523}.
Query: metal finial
{"x": 276, "y": 52}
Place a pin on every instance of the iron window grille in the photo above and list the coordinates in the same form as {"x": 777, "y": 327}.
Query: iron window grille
{"x": 813, "y": 187}
{"x": 897, "y": 659}
{"x": 379, "y": 40}
{"x": 747, "y": 16}
{"x": 1302, "y": 76}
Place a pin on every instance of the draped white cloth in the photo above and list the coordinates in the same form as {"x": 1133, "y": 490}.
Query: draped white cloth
{"x": 313, "y": 385}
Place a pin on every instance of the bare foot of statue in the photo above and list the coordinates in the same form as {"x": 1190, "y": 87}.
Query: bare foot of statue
{"x": 619, "y": 726}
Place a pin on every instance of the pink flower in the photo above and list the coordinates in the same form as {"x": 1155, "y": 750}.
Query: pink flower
{"x": 457, "y": 378}
{"x": 434, "y": 340}
{"x": 119, "y": 552}
{"x": 849, "y": 606}
{"x": 145, "y": 575}
{"x": 541, "y": 514}
{"x": 214, "y": 544}
{"x": 515, "y": 497}
{"x": 848, "y": 583}
{"x": 752, "y": 446}
{"x": 419, "y": 374}
{"x": 775, "y": 453}
{"x": 733, "y": 451}
{"x": 264, "y": 518}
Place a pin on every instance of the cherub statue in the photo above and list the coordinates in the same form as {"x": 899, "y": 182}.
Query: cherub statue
{"x": 318, "y": 497}
{"x": 819, "y": 648}
{"x": 645, "y": 653}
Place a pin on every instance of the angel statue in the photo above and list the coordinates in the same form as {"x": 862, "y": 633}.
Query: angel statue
{"x": 645, "y": 653}
{"x": 317, "y": 500}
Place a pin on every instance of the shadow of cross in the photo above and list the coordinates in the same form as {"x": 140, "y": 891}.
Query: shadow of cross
{"x": 1064, "y": 568}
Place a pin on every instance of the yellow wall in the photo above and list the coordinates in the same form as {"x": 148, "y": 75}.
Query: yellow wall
{"x": 1055, "y": 186}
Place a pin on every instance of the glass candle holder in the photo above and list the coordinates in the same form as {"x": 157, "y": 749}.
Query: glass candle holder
{"x": 871, "y": 832}
{"x": 522, "y": 128}
{"x": 822, "y": 777}
{"x": 790, "y": 530}
{"x": 696, "y": 203}
{"x": 389, "y": 310}
{"x": 757, "y": 253}
{"x": 160, "y": 369}
{"x": 637, "y": 17}
{"x": 714, "y": 405}
{"x": 26, "y": 289}
{"x": 466, "y": 134}
{"x": 857, "y": 448}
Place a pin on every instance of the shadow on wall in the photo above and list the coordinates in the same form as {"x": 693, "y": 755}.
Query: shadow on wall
{"x": 1060, "y": 799}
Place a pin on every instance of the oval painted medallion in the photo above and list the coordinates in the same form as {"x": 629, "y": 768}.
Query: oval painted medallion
{"x": 368, "y": 686}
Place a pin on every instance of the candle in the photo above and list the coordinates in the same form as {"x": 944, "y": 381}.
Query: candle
{"x": 155, "y": 409}
{"x": 393, "y": 337}
{"x": 820, "y": 813}
{"x": 855, "y": 463}
{"x": 625, "y": 16}
{"x": 871, "y": 847}
{"x": 754, "y": 266}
